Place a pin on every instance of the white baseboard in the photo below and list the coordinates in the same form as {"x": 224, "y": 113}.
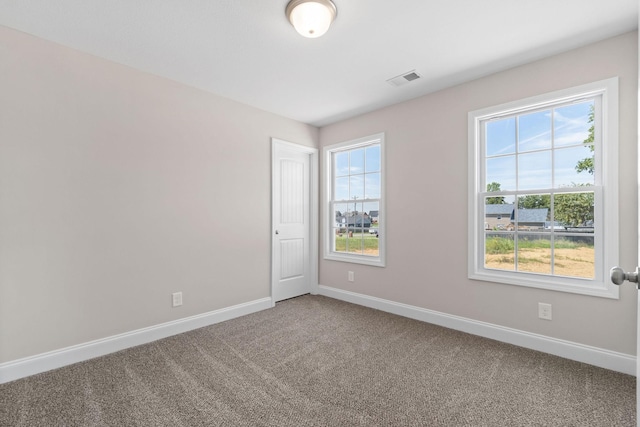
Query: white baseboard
{"x": 603, "y": 358}
{"x": 21, "y": 368}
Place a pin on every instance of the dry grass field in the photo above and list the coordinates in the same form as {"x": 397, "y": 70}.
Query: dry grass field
{"x": 572, "y": 262}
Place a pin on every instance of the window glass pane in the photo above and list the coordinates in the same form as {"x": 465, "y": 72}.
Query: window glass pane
{"x": 340, "y": 242}
{"x": 355, "y": 227}
{"x": 501, "y": 137}
{"x": 356, "y": 161}
{"x": 573, "y": 165}
{"x": 342, "y": 163}
{"x": 357, "y": 216}
{"x": 371, "y": 241}
{"x": 350, "y": 219}
{"x": 355, "y": 243}
{"x": 573, "y": 124}
{"x": 341, "y": 188}
{"x": 502, "y": 170}
{"x": 372, "y": 209}
{"x": 372, "y": 158}
{"x": 499, "y": 251}
{"x": 574, "y": 256}
{"x": 350, "y": 234}
{"x": 340, "y": 213}
{"x": 534, "y": 170}
{"x": 574, "y": 211}
{"x": 372, "y": 186}
{"x": 356, "y": 190}
{"x": 535, "y": 201}
{"x": 534, "y": 253}
{"x": 534, "y": 212}
{"x": 498, "y": 212}
{"x": 534, "y": 131}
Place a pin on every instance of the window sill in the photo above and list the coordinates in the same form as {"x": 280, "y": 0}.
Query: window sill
{"x": 355, "y": 259}
{"x": 560, "y": 284}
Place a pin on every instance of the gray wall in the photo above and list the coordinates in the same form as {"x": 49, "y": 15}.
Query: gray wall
{"x": 118, "y": 188}
{"x": 426, "y": 148}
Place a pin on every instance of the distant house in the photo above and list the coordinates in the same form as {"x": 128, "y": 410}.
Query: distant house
{"x": 359, "y": 220}
{"x": 374, "y": 216}
{"x": 353, "y": 220}
{"x": 531, "y": 218}
{"x": 498, "y": 217}
{"x": 502, "y": 217}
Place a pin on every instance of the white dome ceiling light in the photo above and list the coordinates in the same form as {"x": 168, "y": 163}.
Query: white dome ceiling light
{"x": 311, "y": 18}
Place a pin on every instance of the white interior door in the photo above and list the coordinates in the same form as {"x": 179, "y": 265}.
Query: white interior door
{"x": 618, "y": 276}
{"x": 293, "y": 265}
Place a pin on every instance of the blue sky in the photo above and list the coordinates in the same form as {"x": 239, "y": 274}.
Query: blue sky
{"x": 530, "y": 140}
{"x": 358, "y": 174}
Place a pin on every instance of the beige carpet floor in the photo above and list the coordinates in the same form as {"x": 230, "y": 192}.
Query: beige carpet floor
{"x": 315, "y": 361}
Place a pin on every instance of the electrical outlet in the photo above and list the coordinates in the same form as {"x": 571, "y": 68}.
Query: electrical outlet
{"x": 351, "y": 276}
{"x": 176, "y": 300}
{"x": 544, "y": 311}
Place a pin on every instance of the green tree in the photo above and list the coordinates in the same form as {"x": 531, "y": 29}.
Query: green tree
{"x": 586, "y": 164}
{"x": 534, "y": 201}
{"x": 492, "y": 187}
{"x": 573, "y": 209}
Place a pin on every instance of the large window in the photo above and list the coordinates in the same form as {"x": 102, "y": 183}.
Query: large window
{"x": 354, "y": 188}
{"x": 543, "y": 211}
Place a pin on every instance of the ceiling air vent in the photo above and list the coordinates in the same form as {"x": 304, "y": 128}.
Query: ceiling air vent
{"x": 403, "y": 79}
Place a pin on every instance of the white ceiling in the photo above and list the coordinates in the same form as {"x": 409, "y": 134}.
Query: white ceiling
{"x": 246, "y": 50}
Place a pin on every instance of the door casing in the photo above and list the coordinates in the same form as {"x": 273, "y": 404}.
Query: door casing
{"x": 313, "y": 211}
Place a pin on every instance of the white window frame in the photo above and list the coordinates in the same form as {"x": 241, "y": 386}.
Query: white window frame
{"x": 606, "y": 193}
{"x": 329, "y": 253}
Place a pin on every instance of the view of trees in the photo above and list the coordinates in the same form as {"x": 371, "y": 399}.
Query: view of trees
{"x": 534, "y": 201}
{"x": 574, "y": 209}
{"x": 587, "y": 163}
{"x": 492, "y": 187}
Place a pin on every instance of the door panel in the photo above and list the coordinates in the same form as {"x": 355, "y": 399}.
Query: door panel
{"x": 291, "y": 258}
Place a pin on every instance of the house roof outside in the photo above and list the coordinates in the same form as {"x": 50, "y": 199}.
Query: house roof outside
{"x": 524, "y": 215}
{"x": 533, "y": 215}
{"x": 501, "y": 209}
{"x": 358, "y": 219}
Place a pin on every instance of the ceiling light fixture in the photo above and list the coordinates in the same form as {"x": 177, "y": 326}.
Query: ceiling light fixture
{"x": 311, "y": 18}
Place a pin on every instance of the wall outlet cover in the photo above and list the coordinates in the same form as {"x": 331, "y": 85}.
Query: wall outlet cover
{"x": 176, "y": 299}
{"x": 544, "y": 311}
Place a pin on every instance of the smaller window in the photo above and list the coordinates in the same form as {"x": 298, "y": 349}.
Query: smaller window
{"x": 354, "y": 200}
